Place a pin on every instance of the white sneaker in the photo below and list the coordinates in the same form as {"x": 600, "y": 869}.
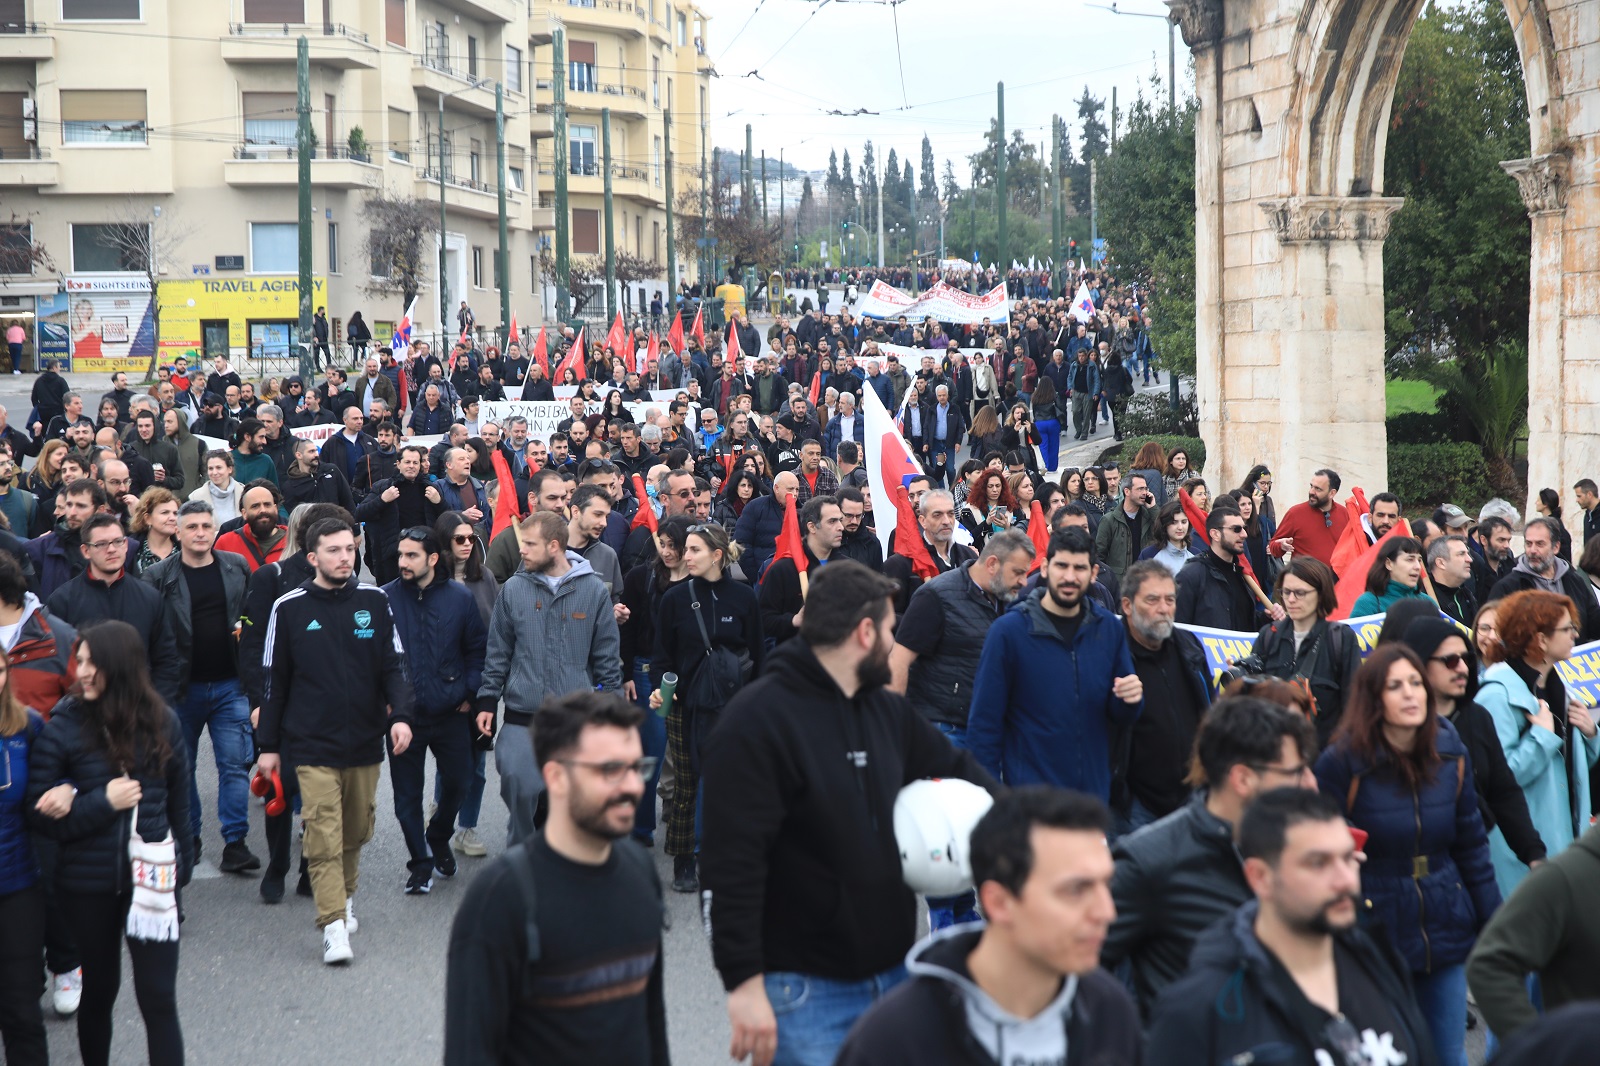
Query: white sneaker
{"x": 336, "y": 943}
{"x": 467, "y": 843}
{"x": 350, "y": 923}
{"x": 66, "y": 990}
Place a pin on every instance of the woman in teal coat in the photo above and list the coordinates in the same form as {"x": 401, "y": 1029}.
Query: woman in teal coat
{"x": 1396, "y": 574}
{"x": 1549, "y": 740}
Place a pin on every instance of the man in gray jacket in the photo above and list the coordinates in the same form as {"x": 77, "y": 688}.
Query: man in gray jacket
{"x": 552, "y": 633}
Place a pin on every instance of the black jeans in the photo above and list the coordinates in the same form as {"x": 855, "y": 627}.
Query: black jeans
{"x": 280, "y": 828}
{"x": 449, "y": 737}
{"x": 97, "y": 924}
{"x": 22, "y": 924}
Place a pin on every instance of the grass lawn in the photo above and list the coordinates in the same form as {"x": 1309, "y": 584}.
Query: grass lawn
{"x": 1407, "y": 396}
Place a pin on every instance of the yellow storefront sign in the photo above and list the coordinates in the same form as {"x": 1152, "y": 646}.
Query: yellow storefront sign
{"x": 238, "y": 301}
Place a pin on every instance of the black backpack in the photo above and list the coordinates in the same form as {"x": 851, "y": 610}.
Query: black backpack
{"x": 719, "y": 675}
{"x": 522, "y": 871}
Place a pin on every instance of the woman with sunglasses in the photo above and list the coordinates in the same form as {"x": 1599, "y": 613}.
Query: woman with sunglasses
{"x": 1549, "y": 737}
{"x": 1305, "y": 647}
{"x": 726, "y": 612}
{"x": 1401, "y": 774}
{"x": 22, "y": 897}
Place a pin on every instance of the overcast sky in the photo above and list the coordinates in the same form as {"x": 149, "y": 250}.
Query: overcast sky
{"x": 820, "y": 55}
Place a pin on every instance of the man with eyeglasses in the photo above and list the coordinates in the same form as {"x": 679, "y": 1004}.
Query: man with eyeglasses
{"x": 1182, "y": 873}
{"x": 580, "y": 978}
{"x": 552, "y": 633}
{"x": 104, "y": 591}
{"x": 438, "y": 623}
{"x": 1211, "y": 588}
{"x": 675, "y": 490}
{"x": 1300, "y": 978}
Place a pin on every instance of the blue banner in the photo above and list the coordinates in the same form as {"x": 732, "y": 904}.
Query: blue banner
{"x": 1224, "y": 647}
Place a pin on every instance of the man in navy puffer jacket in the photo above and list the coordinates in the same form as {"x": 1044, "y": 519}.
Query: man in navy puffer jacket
{"x": 444, "y": 638}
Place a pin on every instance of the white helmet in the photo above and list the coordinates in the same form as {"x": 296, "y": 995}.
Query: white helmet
{"x": 933, "y": 823}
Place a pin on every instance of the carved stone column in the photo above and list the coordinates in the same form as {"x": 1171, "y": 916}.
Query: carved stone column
{"x": 1299, "y": 219}
{"x": 1543, "y": 181}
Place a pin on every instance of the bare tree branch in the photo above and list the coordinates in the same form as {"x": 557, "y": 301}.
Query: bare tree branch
{"x": 400, "y": 243}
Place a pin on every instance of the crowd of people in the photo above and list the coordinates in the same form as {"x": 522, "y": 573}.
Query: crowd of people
{"x": 1168, "y": 872}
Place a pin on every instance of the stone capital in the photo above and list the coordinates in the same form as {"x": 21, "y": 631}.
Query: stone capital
{"x": 1542, "y": 180}
{"x": 1299, "y": 219}
{"x": 1200, "y": 21}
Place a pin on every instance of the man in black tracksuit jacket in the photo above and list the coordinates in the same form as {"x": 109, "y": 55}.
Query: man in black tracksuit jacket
{"x": 335, "y": 685}
{"x": 798, "y": 849}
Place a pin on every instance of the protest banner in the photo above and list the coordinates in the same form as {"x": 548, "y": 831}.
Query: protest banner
{"x": 1580, "y": 672}
{"x": 943, "y": 302}
{"x": 911, "y": 358}
{"x": 322, "y": 431}
{"x": 544, "y": 415}
{"x": 1224, "y": 647}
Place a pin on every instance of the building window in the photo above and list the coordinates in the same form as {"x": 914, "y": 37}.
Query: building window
{"x": 638, "y": 236}
{"x": 581, "y": 66}
{"x": 270, "y": 118}
{"x": 580, "y": 151}
{"x": 585, "y": 231}
{"x": 475, "y": 161}
{"x": 333, "y": 248}
{"x": 495, "y": 257}
{"x": 399, "y": 136}
{"x": 394, "y": 22}
{"x": 655, "y": 242}
{"x": 100, "y": 9}
{"x": 98, "y": 248}
{"x": 513, "y": 69}
{"x": 683, "y": 29}
{"x": 96, "y": 116}
{"x": 292, "y": 12}
{"x": 514, "y": 179}
{"x": 477, "y": 267}
{"x": 274, "y": 247}
{"x": 655, "y": 160}
{"x": 655, "y": 80}
{"x": 472, "y": 57}
{"x": 16, "y": 248}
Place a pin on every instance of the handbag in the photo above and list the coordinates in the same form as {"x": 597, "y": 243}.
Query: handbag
{"x": 720, "y": 674}
{"x": 153, "y": 915}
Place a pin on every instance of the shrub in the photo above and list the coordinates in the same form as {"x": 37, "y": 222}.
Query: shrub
{"x": 1149, "y": 414}
{"x": 1416, "y": 427}
{"x": 1130, "y": 446}
{"x": 1425, "y": 474}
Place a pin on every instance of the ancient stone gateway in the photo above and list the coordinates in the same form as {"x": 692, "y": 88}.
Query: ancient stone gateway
{"x": 1291, "y": 218}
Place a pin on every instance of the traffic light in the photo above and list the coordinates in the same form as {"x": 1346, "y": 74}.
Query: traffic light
{"x": 844, "y": 227}
{"x": 1072, "y": 245}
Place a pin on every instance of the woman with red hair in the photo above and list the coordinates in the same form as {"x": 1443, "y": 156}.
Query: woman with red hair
{"x": 1549, "y": 737}
{"x": 1401, "y": 773}
{"x": 989, "y": 507}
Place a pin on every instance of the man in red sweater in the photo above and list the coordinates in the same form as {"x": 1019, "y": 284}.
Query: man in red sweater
{"x": 1314, "y": 527}
{"x": 260, "y": 540}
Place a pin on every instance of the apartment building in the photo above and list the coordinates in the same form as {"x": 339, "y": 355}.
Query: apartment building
{"x": 164, "y": 131}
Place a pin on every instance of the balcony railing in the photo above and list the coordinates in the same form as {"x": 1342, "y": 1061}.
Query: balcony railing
{"x": 452, "y": 178}
{"x": 433, "y": 60}
{"x": 289, "y": 151}
{"x": 21, "y": 27}
{"x": 26, "y": 151}
{"x": 593, "y": 170}
{"x": 289, "y": 29}
{"x": 605, "y": 89}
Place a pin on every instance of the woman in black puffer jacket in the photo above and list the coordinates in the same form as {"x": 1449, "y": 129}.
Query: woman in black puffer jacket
{"x": 121, "y": 747}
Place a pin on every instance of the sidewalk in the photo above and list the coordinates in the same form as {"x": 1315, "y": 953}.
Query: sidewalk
{"x": 1082, "y": 454}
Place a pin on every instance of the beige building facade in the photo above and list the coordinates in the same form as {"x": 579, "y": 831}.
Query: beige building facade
{"x": 180, "y": 116}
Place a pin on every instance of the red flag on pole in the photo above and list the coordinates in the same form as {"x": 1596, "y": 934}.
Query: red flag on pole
{"x": 698, "y": 329}
{"x": 675, "y": 334}
{"x": 1039, "y": 533}
{"x": 617, "y": 340}
{"x": 574, "y": 359}
{"x": 652, "y": 352}
{"x": 908, "y": 540}
{"x": 730, "y": 348}
{"x": 513, "y": 336}
{"x": 1353, "y": 582}
{"x": 789, "y": 544}
{"x": 541, "y": 354}
{"x": 1353, "y": 541}
{"x": 646, "y": 515}
{"x": 506, "y": 510}
{"x": 816, "y": 388}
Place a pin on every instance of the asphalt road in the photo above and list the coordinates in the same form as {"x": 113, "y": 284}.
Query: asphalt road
{"x": 252, "y": 989}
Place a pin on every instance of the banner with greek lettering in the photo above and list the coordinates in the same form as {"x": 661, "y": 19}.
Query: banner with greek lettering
{"x": 1580, "y": 672}
{"x": 911, "y": 358}
{"x": 544, "y": 415}
{"x": 1224, "y": 647}
{"x": 943, "y": 302}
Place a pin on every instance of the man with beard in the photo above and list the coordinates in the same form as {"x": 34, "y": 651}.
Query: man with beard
{"x": 438, "y": 623}
{"x": 1542, "y": 568}
{"x": 800, "y": 777}
{"x": 781, "y": 595}
{"x": 402, "y": 502}
{"x": 1150, "y": 763}
{"x": 1314, "y": 527}
{"x": 553, "y": 633}
{"x": 55, "y": 555}
{"x": 260, "y": 538}
{"x": 1055, "y": 681}
{"x": 311, "y": 480}
{"x": 861, "y": 541}
{"x": 555, "y": 955}
{"x": 1492, "y": 558}
{"x": 1301, "y": 981}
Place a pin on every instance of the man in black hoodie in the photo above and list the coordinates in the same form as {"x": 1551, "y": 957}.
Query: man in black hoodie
{"x": 1028, "y": 986}
{"x": 809, "y": 912}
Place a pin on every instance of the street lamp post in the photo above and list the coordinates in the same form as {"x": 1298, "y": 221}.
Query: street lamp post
{"x": 1172, "y": 62}
{"x": 444, "y": 282}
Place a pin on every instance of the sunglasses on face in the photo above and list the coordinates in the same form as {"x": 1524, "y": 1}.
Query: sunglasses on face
{"x": 1449, "y": 662}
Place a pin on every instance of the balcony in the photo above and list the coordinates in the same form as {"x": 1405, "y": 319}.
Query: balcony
{"x": 29, "y": 167}
{"x": 485, "y": 10}
{"x": 28, "y": 42}
{"x": 618, "y": 16}
{"x": 331, "y": 45}
{"x": 476, "y": 198}
{"x": 622, "y": 99}
{"x": 661, "y": 32}
{"x": 432, "y": 75}
{"x": 541, "y": 122}
{"x": 275, "y": 165}
{"x": 541, "y": 27}
{"x": 634, "y": 183}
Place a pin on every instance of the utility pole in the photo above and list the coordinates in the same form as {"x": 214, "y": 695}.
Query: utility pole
{"x": 504, "y": 272}
{"x": 611, "y": 240}
{"x": 1055, "y": 208}
{"x": 1094, "y": 228}
{"x": 763, "y": 186}
{"x": 558, "y": 112}
{"x": 672, "y": 249}
{"x": 878, "y": 178}
{"x": 710, "y": 284}
{"x": 302, "y": 138}
{"x": 701, "y": 268}
{"x": 749, "y": 174}
{"x": 783, "y": 223}
{"x": 1000, "y": 175}
{"x": 444, "y": 283}
{"x": 972, "y": 279}
{"x": 1113, "y": 116}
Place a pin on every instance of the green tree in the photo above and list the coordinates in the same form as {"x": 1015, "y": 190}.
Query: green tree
{"x": 833, "y": 186}
{"x": 1095, "y": 134}
{"x": 908, "y": 188}
{"x": 847, "y": 185}
{"x": 929, "y": 191}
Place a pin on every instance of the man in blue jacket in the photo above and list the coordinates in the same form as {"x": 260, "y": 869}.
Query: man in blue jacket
{"x": 444, "y": 637}
{"x": 1055, "y": 680}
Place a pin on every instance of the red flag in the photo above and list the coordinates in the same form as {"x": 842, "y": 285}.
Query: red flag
{"x": 1039, "y": 533}
{"x": 646, "y": 515}
{"x": 1353, "y": 541}
{"x": 789, "y": 544}
{"x": 506, "y": 510}
{"x": 908, "y": 540}
{"x": 1197, "y": 520}
{"x": 675, "y": 334}
{"x": 1354, "y": 580}
{"x": 574, "y": 359}
{"x": 731, "y": 348}
{"x": 460, "y": 341}
{"x": 816, "y": 388}
{"x": 512, "y": 334}
{"x": 698, "y": 329}
{"x": 540, "y": 354}
{"x": 617, "y": 340}
{"x": 653, "y": 351}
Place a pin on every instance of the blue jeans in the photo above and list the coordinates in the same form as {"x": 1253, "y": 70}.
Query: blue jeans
{"x": 473, "y": 803}
{"x": 945, "y": 911}
{"x": 1050, "y": 441}
{"x": 1138, "y": 817}
{"x": 815, "y": 1013}
{"x": 653, "y": 735}
{"x": 449, "y": 737}
{"x": 1442, "y": 998}
{"x": 221, "y": 707}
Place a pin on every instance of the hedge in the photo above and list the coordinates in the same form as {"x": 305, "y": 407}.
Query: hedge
{"x": 1427, "y": 474}
{"x": 1130, "y": 446}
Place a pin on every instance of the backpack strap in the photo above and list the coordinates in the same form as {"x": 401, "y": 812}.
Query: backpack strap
{"x": 522, "y": 872}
